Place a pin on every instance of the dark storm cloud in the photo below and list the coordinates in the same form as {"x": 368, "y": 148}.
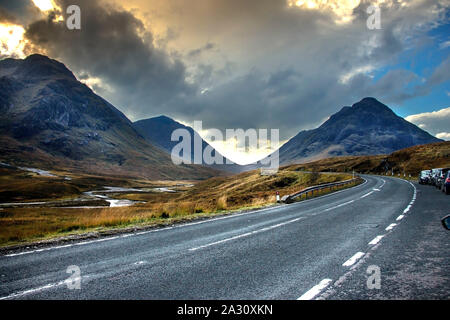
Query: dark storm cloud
{"x": 5, "y": 16}
{"x": 18, "y": 11}
{"x": 114, "y": 45}
{"x": 199, "y": 51}
{"x": 258, "y": 64}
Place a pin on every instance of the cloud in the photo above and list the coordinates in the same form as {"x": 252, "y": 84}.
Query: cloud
{"x": 242, "y": 64}
{"x": 199, "y": 51}
{"x": 5, "y": 16}
{"x": 444, "y": 44}
{"x": 444, "y": 135}
{"x": 19, "y": 11}
{"x": 114, "y": 46}
{"x": 436, "y": 122}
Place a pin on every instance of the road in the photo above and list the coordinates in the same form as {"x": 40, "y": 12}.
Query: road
{"x": 315, "y": 249}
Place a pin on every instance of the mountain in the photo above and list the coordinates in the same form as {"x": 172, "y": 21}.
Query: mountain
{"x": 50, "y": 120}
{"x": 366, "y": 128}
{"x": 406, "y": 161}
{"x": 158, "y": 131}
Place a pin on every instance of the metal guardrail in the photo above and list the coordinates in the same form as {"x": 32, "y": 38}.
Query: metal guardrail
{"x": 290, "y": 198}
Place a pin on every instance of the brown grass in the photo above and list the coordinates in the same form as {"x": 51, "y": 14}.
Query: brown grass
{"x": 409, "y": 161}
{"x": 212, "y": 196}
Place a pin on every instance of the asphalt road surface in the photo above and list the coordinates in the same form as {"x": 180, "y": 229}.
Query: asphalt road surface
{"x": 381, "y": 239}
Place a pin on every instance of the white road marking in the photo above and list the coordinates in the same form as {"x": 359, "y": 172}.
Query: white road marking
{"x": 353, "y": 259}
{"x": 60, "y": 247}
{"x": 375, "y": 189}
{"x": 246, "y": 234}
{"x": 391, "y": 226}
{"x": 400, "y": 217}
{"x": 314, "y": 291}
{"x": 340, "y": 205}
{"x": 367, "y": 194}
{"x": 182, "y": 225}
{"x": 376, "y": 240}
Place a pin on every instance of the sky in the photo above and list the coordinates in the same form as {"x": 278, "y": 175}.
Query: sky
{"x": 263, "y": 64}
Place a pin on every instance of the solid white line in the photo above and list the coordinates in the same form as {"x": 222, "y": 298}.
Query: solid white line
{"x": 391, "y": 226}
{"x": 22, "y": 293}
{"x": 314, "y": 291}
{"x": 246, "y": 234}
{"x": 367, "y": 194}
{"x": 353, "y": 259}
{"x": 400, "y": 217}
{"x": 376, "y": 240}
{"x": 59, "y": 247}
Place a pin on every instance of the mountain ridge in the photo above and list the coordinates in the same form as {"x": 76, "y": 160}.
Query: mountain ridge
{"x": 49, "y": 118}
{"x": 158, "y": 130}
{"x": 368, "y": 127}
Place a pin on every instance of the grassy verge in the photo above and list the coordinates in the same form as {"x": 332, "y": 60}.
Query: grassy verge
{"x": 211, "y": 197}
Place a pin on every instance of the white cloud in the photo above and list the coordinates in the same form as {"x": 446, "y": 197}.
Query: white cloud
{"x": 444, "y": 44}
{"x": 436, "y": 122}
{"x": 444, "y": 135}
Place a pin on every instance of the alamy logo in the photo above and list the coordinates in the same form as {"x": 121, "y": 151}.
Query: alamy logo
{"x": 374, "y": 279}
{"x": 251, "y": 139}
{"x": 374, "y": 19}
{"x": 74, "y": 281}
{"x": 73, "y": 21}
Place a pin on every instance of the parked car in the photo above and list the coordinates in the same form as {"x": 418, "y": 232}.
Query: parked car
{"x": 441, "y": 178}
{"x": 446, "y": 183}
{"x": 434, "y": 174}
{"x": 424, "y": 177}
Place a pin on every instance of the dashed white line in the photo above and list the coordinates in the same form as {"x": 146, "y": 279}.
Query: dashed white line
{"x": 376, "y": 240}
{"x": 340, "y": 205}
{"x": 400, "y": 217}
{"x": 407, "y": 209}
{"x": 367, "y": 194}
{"x": 390, "y": 227}
{"x": 314, "y": 291}
{"x": 246, "y": 234}
{"x": 353, "y": 259}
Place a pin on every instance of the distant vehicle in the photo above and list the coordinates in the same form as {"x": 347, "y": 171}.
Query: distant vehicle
{"x": 434, "y": 174}
{"x": 446, "y": 183}
{"x": 441, "y": 178}
{"x": 424, "y": 177}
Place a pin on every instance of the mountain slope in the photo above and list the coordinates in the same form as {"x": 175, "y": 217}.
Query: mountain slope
{"x": 51, "y": 120}
{"x": 407, "y": 161}
{"x": 158, "y": 131}
{"x": 366, "y": 128}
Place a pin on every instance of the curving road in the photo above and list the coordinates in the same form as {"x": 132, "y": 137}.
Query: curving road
{"x": 316, "y": 249}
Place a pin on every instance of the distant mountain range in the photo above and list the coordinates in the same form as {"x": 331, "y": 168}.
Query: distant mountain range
{"x": 158, "y": 131}
{"x": 51, "y": 120}
{"x": 366, "y": 128}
